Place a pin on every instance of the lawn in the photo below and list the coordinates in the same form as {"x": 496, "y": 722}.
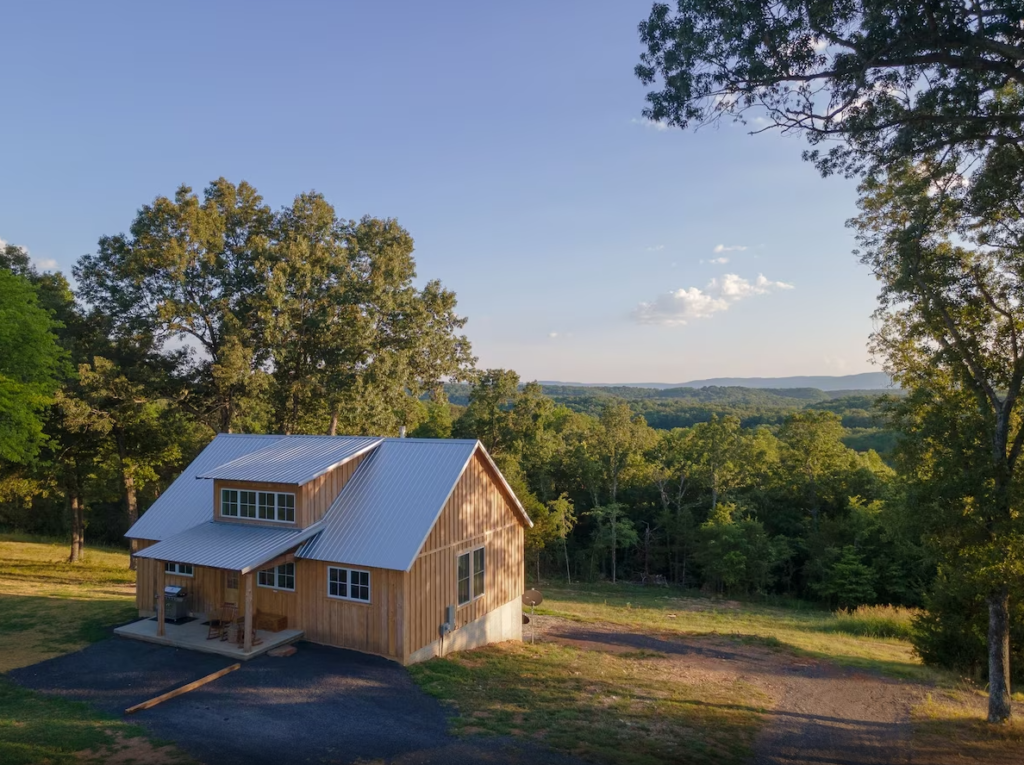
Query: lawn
{"x": 49, "y": 607}
{"x": 630, "y": 707}
{"x": 640, "y": 707}
{"x": 855, "y": 640}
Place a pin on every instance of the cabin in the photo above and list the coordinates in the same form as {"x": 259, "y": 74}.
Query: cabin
{"x": 403, "y": 547}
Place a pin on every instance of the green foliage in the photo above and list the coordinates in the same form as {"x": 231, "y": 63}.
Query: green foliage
{"x": 953, "y": 630}
{"x": 847, "y": 581}
{"x": 889, "y": 80}
{"x": 31, "y": 364}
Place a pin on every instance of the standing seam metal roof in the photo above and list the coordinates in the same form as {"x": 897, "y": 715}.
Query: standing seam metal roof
{"x": 385, "y": 512}
{"x": 188, "y": 502}
{"x": 293, "y": 459}
{"x": 236, "y": 546}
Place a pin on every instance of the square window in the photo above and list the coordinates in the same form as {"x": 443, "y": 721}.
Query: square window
{"x": 360, "y": 587}
{"x": 337, "y": 582}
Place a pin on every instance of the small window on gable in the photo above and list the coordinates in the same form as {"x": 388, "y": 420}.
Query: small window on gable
{"x": 178, "y": 569}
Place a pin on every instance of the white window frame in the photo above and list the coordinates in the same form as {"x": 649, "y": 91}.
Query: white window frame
{"x": 175, "y": 569}
{"x": 348, "y": 584}
{"x": 277, "y": 578}
{"x": 237, "y": 504}
{"x": 471, "y": 554}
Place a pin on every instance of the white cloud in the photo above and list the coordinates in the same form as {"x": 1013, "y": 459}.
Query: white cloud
{"x": 719, "y": 260}
{"x": 819, "y": 44}
{"x": 552, "y": 335}
{"x": 647, "y": 122}
{"x": 730, "y": 247}
{"x": 656, "y": 248}
{"x": 684, "y": 305}
{"x": 45, "y": 264}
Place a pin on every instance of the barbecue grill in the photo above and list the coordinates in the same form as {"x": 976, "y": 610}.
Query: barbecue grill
{"x": 175, "y": 603}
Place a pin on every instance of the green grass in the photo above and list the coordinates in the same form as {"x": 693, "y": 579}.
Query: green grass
{"x": 630, "y": 707}
{"x": 866, "y": 639}
{"x": 876, "y": 622}
{"x": 43, "y": 729}
{"x": 49, "y": 607}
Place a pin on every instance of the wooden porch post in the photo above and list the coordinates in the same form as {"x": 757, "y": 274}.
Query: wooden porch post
{"x": 247, "y": 645}
{"x": 160, "y": 608}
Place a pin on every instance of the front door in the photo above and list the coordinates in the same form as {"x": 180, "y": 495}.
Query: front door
{"x": 231, "y": 587}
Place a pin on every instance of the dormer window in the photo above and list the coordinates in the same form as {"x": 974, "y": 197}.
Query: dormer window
{"x": 262, "y": 505}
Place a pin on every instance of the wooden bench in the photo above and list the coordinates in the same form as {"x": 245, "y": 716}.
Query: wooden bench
{"x": 270, "y": 622}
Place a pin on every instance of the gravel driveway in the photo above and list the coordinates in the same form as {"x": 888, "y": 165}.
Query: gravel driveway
{"x": 322, "y": 705}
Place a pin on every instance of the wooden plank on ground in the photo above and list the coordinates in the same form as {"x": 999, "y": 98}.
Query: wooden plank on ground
{"x": 183, "y": 689}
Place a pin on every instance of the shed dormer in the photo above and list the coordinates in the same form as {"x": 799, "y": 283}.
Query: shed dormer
{"x": 289, "y": 483}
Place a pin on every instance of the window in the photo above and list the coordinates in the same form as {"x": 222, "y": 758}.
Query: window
{"x": 247, "y": 504}
{"x": 470, "y": 575}
{"x": 264, "y": 505}
{"x": 229, "y": 502}
{"x": 280, "y": 578}
{"x": 478, "y": 572}
{"x": 348, "y": 584}
{"x": 179, "y": 569}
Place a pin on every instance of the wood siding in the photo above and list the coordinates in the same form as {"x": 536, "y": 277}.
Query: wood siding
{"x": 375, "y": 627}
{"x": 477, "y": 514}
{"x": 312, "y": 499}
{"x": 318, "y": 494}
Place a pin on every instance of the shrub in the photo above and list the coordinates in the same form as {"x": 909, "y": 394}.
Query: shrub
{"x": 877, "y": 621}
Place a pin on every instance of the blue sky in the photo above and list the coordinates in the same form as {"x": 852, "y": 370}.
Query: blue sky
{"x": 581, "y": 241}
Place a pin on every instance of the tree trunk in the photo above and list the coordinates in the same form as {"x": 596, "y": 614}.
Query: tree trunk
{"x": 130, "y": 499}
{"x": 565, "y": 549}
{"x": 77, "y": 526}
{"x": 615, "y": 523}
{"x": 999, "y": 709}
{"x": 333, "y": 430}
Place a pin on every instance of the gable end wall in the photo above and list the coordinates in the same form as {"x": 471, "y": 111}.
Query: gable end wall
{"x": 477, "y": 514}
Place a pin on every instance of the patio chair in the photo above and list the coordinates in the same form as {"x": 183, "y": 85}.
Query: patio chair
{"x": 221, "y": 620}
{"x": 240, "y": 631}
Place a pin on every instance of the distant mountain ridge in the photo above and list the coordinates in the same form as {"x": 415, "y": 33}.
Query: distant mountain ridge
{"x": 863, "y": 381}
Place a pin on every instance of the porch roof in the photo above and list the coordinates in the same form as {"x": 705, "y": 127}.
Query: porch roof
{"x": 235, "y": 546}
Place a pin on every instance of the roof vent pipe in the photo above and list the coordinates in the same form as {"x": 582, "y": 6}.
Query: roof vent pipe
{"x": 401, "y": 431}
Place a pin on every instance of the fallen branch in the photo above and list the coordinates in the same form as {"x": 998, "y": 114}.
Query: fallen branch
{"x": 183, "y": 689}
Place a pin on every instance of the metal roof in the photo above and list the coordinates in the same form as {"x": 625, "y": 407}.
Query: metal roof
{"x": 236, "y": 546}
{"x": 293, "y": 459}
{"x": 188, "y": 502}
{"x": 386, "y": 510}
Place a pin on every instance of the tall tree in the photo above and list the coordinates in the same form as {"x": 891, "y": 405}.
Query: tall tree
{"x": 188, "y": 270}
{"x": 891, "y": 80}
{"x": 952, "y": 332}
{"x": 31, "y": 365}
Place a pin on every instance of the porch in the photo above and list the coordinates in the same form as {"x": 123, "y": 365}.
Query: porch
{"x": 192, "y": 636}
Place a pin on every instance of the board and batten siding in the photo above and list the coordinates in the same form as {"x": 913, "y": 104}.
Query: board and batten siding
{"x": 476, "y": 515}
{"x": 312, "y": 499}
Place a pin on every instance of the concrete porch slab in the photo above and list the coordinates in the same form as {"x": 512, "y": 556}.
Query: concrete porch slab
{"x": 192, "y": 636}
